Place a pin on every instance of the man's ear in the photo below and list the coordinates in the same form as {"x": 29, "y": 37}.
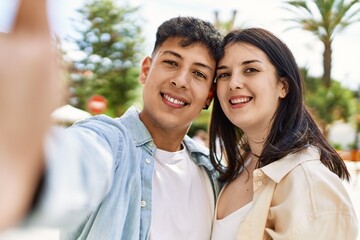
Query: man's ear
{"x": 145, "y": 68}
{"x": 209, "y": 97}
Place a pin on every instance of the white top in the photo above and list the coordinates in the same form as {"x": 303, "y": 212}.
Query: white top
{"x": 182, "y": 198}
{"x": 227, "y": 227}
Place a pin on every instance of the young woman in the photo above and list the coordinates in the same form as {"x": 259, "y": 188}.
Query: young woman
{"x": 282, "y": 179}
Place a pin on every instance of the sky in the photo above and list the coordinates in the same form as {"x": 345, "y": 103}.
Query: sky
{"x": 268, "y": 14}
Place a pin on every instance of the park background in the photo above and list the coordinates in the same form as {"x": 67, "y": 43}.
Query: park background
{"x": 103, "y": 42}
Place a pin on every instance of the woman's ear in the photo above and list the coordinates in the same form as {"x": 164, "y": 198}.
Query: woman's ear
{"x": 284, "y": 87}
{"x": 209, "y": 97}
{"x": 145, "y": 68}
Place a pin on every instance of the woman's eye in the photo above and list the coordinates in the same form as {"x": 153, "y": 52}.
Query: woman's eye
{"x": 222, "y": 75}
{"x": 251, "y": 70}
{"x": 200, "y": 74}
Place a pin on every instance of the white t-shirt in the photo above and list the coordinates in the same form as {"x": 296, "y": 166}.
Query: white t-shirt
{"x": 182, "y": 198}
{"x": 227, "y": 227}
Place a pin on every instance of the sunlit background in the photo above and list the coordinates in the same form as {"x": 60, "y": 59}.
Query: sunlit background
{"x": 93, "y": 70}
{"x": 96, "y": 70}
{"x": 269, "y": 14}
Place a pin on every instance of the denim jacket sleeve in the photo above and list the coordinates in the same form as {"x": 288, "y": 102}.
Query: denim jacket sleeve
{"x": 80, "y": 163}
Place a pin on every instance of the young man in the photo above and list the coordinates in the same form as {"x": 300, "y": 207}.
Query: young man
{"x": 139, "y": 176}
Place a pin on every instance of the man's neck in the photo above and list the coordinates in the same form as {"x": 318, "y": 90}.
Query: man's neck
{"x": 168, "y": 142}
{"x": 165, "y": 138}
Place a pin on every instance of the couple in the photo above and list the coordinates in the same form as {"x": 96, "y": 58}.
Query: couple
{"x": 140, "y": 177}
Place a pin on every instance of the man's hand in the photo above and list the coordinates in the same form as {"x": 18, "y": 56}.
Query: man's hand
{"x": 29, "y": 92}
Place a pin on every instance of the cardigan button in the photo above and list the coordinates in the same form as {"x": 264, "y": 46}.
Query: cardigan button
{"x": 143, "y": 203}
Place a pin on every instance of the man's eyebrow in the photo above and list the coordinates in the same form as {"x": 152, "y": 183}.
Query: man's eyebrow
{"x": 203, "y": 65}
{"x": 175, "y": 54}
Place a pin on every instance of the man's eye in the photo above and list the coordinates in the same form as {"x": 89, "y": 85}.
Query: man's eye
{"x": 172, "y": 63}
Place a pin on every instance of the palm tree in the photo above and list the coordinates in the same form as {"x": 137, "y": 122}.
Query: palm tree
{"x": 225, "y": 26}
{"x": 325, "y": 18}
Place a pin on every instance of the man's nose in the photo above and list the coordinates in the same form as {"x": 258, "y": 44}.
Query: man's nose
{"x": 181, "y": 79}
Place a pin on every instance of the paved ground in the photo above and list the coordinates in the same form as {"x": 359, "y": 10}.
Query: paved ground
{"x": 52, "y": 234}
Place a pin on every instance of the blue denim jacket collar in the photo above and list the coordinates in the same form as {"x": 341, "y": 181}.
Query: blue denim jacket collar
{"x": 132, "y": 121}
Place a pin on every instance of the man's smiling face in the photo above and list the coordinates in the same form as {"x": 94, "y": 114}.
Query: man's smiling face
{"x": 176, "y": 82}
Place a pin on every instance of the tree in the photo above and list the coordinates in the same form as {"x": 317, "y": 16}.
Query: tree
{"x": 356, "y": 119}
{"x": 327, "y": 104}
{"x": 111, "y": 40}
{"x": 225, "y": 26}
{"x": 325, "y": 18}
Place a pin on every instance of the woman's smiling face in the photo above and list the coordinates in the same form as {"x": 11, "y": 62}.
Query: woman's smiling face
{"x": 248, "y": 88}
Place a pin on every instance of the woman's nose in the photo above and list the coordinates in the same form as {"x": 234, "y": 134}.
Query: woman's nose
{"x": 236, "y": 82}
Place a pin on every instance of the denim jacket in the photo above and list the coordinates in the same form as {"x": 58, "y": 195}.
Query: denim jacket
{"x": 98, "y": 182}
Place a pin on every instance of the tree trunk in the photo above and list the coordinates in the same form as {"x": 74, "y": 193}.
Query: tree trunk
{"x": 327, "y": 63}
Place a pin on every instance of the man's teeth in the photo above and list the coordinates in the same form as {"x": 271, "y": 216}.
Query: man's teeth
{"x": 173, "y": 100}
{"x": 240, "y": 100}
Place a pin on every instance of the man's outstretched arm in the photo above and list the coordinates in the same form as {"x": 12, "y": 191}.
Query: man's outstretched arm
{"x": 29, "y": 92}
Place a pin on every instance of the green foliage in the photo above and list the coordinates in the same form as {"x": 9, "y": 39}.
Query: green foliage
{"x": 329, "y": 104}
{"x": 111, "y": 39}
{"x": 336, "y": 146}
{"x": 311, "y": 83}
{"x": 324, "y": 19}
{"x": 201, "y": 122}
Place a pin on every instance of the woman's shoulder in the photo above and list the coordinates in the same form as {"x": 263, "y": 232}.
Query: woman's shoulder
{"x": 315, "y": 184}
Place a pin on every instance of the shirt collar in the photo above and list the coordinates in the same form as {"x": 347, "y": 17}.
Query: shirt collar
{"x": 279, "y": 169}
{"x": 131, "y": 121}
{"x": 142, "y": 136}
